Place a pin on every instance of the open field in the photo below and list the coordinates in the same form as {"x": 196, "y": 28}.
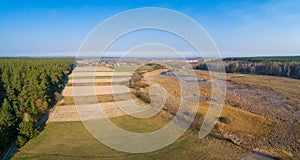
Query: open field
{"x": 49, "y": 144}
{"x": 260, "y": 111}
{"x": 242, "y": 127}
{"x": 70, "y": 140}
{"x": 54, "y": 141}
{"x": 67, "y": 113}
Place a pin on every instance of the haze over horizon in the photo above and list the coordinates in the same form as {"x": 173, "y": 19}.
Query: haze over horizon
{"x": 239, "y": 28}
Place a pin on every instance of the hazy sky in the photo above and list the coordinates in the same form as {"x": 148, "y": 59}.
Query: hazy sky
{"x": 239, "y": 28}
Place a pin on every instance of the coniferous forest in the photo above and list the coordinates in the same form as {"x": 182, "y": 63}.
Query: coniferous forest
{"x": 28, "y": 88}
{"x": 273, "y": 66}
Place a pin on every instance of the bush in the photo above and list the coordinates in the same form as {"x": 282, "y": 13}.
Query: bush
{"x": 224, "y": 120}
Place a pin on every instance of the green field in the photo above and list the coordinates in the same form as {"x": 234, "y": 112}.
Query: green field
{"x": 70, "y": 140}
{"x": 120, "y": 69}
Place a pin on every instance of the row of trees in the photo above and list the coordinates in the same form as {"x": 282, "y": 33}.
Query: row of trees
{"x": 284, "y": 67}
{"x": 265, "y": 59}
{"x": 28, "y": 87}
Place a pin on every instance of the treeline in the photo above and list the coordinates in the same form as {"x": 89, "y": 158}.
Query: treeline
{"x": 274, "y": 66}
{"x": 28, "y": 87}
{"x": 265, "y": 59}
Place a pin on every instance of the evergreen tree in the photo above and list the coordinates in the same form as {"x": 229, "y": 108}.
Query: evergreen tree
{"x": 27, "y": 89}
{"x": 7, "y": 123}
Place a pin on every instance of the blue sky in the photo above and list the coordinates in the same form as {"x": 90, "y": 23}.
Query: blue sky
{"x": 239, "y": 28}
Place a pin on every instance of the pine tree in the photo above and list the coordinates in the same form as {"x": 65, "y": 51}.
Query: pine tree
{"x": 7, "y": 123}
{"x": 27, "y": 88}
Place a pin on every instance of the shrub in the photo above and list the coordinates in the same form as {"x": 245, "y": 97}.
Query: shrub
{"x": 224, "y": 120}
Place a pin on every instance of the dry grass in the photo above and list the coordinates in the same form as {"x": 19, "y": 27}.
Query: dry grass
{"x": 69, "y": 100}
{"x": 65, "y": 113}
{"x": 279, "y": 84}
{"x": 247, "y": 119}
{"x": 240, "y": 120}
